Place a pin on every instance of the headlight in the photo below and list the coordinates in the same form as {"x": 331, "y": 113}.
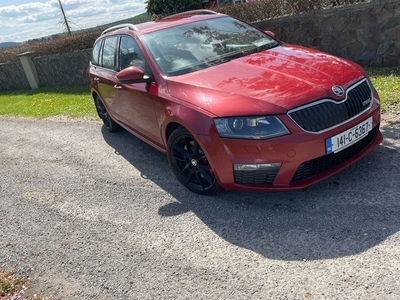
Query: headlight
{"x": 250, "y": 127}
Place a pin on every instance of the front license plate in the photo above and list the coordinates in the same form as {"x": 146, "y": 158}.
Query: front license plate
{"x": 348, "y": 137}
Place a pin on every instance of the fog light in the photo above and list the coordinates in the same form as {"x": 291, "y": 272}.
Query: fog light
{"x": 255, "y": 167}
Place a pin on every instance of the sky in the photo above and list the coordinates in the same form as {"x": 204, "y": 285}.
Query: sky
{"x": 22, "y": 20}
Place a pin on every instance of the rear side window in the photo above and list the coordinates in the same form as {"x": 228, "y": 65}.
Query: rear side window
{"x": 109, "y": 53}
{"x": 96, "y": 53}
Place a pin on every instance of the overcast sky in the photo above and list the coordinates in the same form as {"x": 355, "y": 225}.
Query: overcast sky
{"x": 22, "y": 20}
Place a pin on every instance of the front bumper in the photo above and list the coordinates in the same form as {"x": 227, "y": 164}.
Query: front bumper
{"x": 302, "y": 156}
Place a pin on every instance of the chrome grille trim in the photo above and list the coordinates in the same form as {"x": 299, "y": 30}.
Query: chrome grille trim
{"x": 326, "y": 114}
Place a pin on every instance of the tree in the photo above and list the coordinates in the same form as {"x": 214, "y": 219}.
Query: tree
{"x": 168, "y": 7}
{"x": 65, "y": 20}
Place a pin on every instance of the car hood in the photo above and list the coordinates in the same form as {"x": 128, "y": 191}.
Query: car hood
{"x": 269, "y": 82}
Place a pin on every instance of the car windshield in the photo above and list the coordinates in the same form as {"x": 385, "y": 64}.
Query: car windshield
{"x": 199, "y": 45}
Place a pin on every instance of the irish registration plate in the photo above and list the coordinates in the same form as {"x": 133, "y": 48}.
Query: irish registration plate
{"x": 348, "y": 137}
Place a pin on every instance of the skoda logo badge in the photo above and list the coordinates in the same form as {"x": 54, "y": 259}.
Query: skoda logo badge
{"x": 338, "y": 90}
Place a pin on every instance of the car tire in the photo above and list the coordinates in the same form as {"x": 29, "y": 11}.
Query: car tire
{"x": 190, "y": 164}
{"x": 109, "y": 123}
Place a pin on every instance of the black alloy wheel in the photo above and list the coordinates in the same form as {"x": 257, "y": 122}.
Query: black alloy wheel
{"x": 190, "y": 164}
{"x": 110, "y": 124}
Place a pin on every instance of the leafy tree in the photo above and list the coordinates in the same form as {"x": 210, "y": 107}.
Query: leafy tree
{"x": 168, "y": 7}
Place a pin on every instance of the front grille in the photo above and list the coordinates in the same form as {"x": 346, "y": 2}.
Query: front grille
{"x": 328, "y": 113}
{"x": 256, "y": 177}
{"x": 324, "y": 163}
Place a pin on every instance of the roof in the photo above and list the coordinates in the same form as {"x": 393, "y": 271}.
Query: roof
{"x": 170, "y": 21}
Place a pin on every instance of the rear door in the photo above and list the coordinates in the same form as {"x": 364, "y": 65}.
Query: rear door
{"x": 108, "y": 74}
{"x": 103, "y": 73}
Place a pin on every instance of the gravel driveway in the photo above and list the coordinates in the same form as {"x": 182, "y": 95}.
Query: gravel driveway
{"x": 86, "y": 214}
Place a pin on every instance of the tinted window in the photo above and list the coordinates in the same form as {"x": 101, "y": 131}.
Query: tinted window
{"x": 95, "y": 53}
{"x": 130, "y": 54}
{"x": 109, "y": 53}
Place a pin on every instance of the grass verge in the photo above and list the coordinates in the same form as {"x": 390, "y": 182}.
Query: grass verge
{"x": 13, "y": 287}
{"x": 10, "y": 284}
{"x": 387, "y": 82}
{"x": 76, "y": 102}
{"x": 70, "y": 102}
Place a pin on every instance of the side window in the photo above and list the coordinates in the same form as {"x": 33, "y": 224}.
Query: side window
{"x": 96, "y": 53}
{"x": 130, "y": 54}
{"x": 109, "y": 53}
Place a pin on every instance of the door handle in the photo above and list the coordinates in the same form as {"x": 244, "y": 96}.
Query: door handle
{"x": 117, "y": 87}
{"x": 97, "y": 79}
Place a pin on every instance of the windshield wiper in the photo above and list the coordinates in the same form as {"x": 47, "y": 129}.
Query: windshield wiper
{"x": 218, "y": 61}
{"x": 215, "y": 60}
{"x": 259, "y": 48}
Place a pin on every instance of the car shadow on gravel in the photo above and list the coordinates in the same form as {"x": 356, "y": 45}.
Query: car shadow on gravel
{"x": 344, "y": 215}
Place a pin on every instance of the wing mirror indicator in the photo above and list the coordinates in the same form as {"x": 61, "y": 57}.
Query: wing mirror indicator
{"x": 270, "y": 33}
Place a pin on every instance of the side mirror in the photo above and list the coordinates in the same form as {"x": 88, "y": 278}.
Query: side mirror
{"x": 132, "y": 75}
{"x": 270, "y": 33}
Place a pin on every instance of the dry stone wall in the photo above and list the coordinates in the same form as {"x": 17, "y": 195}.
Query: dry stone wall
{"x": 367, "y": 33}
{"x": 12, "y": 77}
{"x": 63, "y": 69}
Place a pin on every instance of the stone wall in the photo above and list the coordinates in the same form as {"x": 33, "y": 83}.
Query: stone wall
{"x": 63, "y": 69}
{"x": 367, "y": 33}
{"x": 12, "y": 77}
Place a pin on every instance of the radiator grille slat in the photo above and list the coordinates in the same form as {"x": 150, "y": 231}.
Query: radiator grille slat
{"x": 327, "y": 113}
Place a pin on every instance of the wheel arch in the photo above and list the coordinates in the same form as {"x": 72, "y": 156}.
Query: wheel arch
{"x": 197, "y": 121}
{"x": 94, "y": 94}
{"x": 171, "y": 127}
{"x": 196, "y": 173}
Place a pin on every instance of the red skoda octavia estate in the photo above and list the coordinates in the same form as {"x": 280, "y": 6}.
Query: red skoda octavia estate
{"x": 232, "y": 106}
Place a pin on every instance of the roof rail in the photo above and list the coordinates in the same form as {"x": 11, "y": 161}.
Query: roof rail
{"x": 193, "y": 12}
{"x": 130, "y": 26}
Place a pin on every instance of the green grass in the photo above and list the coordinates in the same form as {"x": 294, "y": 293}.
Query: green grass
{"x": 70, "y": 102}
{"x": 76, "y": 102}
{"x": 10, "y": 284}
{"x": 387, "y": 82}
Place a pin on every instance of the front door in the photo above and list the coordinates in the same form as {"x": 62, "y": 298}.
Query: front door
{"x": 135, "y": 102}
